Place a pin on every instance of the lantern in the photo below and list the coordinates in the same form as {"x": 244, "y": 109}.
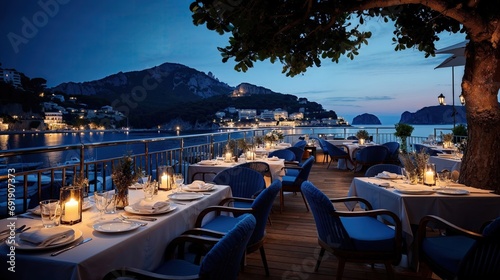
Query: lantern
{"x": 166, "y": 177}
{"x": 71, "y": 203}
{"x": 441, "y": 99}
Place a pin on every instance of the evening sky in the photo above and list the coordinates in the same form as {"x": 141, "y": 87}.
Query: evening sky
{"x": 78, "y": 41}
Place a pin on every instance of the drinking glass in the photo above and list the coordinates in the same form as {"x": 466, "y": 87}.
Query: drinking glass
{"x": 444, "y": 178}
{"x": 50, "y": 211}
{"x": 178, "y": 179}
{"x": 149, "y": 190}
{"x": 100, "y": 202}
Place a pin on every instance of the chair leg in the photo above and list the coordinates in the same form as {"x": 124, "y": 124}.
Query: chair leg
{"x": 282, "y": 201}
{"x": 320, "y": 257}
{"x": 390, "y": 270}
{"x": 305, "y": 202}
{"x": 340, "y": 268}
{"x": 264, "y": 259}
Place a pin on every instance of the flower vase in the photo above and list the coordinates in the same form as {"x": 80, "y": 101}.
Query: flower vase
{"x": 121, "y": 197}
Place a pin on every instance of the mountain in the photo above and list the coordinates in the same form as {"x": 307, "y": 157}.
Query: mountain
{"x": 156, "y": 87}
{"x": 365, "y": 119}
{"x": 440, "y": 114}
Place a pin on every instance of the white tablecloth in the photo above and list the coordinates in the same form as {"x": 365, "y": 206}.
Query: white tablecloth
{"x": 275, "y": 166}
{"x": 467, "y": 211}
{"x": 140, "y": 248}
{"x": 449, "y": 163}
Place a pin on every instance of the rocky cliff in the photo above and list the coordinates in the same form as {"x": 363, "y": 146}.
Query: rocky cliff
{"x": 440, "y": 114}
{"x": 365, "y": 119}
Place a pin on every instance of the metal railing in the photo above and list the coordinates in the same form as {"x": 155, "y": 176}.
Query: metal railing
{"x": 26, "y": 188}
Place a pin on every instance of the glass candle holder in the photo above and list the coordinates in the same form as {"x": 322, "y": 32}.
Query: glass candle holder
{"x": 71, "y": 204}
{"x": 166, "y": 179}
{"x": 430, "y": 174}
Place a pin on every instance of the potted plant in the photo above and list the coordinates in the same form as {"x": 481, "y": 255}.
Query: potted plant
{"x": 403, "y": 131}
{"x": 447, "y": 138}
{"x": 124, "y": 175}
{"x": 362, "y": 135}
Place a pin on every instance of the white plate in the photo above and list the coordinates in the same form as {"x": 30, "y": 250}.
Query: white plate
{"x": 86, "y": 205}
{"x": 23, "y": 245}
{"x": 207, "y": 162}
{"x": 115, "y": 226}
{"x": 206, "y": 188}
{"x": 452, "y": 191}
{"x": 185, "y": 196}
{"x": 414, "y": 191}
{"x": 131, "y": 210}
{"x": 388, "y": 178}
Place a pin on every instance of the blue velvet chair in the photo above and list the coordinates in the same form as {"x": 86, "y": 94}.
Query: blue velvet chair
{"x": 392, "y": 156}
{"x": 260, "y": 208}
{"x": 285, "y": 154}
{"x": 221, "y": 262}
{"x": 457, "y": 253}
{"x": 298, "y": 153}
{"x": 323, "y": 148}
{"x": 292, "y": 183}
{"x": 356, "y": 236}
{"x": 244, "y": 182}
{"x": 300, "y": 144}
{"x": 370, "y": 155}
{"x": 421, "y": 148}
{"x": 335, "y": 153}
{"x": 259, "y": 166}
{"x": 378, "y": 168}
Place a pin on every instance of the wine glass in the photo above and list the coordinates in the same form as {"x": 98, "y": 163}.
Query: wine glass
{"x": 178, "y": 179}
{"x": 149, "y": 190}
{"x": 444, "y": 178}
{"x": 100, "y": 202}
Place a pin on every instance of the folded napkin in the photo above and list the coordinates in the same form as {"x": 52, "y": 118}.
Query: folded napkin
{"x": 206, "y": 162}
{"x": 44, "y": 237}
{"x": 274, "y": 158}
{"x": 387, "y": 174}
{"x": 145, "y": 206}
{"x": 199, "y": 185}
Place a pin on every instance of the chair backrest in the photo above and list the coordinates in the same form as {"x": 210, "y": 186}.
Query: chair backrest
{"x": 393, "y": 148}
{"x": 305, "y": 170}
{"x": 333, "y": 151}
{"x": 372, "y": 154}
{"x": 224, "y": 258}
{"x": 285, "y": 154}
{"x": 262, "y": 207}
{"x": 244, "y": 182}
{"x": 352, "y": 137}
{"x": 330, "y": 228}
{"x": 378, "y": 168}
{"x": 300, "y": 144}
{"x": 259, "y": 166}
{"x": 298, "y": 152}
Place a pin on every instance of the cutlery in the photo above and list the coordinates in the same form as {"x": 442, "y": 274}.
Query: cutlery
{"x": 125, "y": 220}
{"x": 71, "y": 247}
{"x": 150, "y": 219}
{"x": 20, "y": 229}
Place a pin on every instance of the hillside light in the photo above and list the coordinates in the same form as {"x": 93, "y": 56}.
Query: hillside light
{"x": 462, "y": 99}
{"x": 441, "y": 99}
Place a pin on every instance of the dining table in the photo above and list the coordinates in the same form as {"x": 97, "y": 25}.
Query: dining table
{"x": 449, "y": 162}
{"x": 211, "y": 167}
{"x": 128, "y": 244}
{"x": 464, "y": 206}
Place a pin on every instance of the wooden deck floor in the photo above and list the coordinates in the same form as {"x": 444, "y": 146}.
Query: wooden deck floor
{"x": 291, "y": 245}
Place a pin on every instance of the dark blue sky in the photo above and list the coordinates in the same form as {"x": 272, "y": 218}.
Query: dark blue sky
{"x": 75, "y": 40}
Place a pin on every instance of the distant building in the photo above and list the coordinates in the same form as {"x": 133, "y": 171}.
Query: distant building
{"x": 296, "y": 116}
{"x": 231, "y": 110}
{"x": 220, "y": 115}
{"x": 54, "y": 120}
{"x": 280, "y": 114}
{"x": 247, "y": 114}
{"x": 11, "y": 76}
{"x": 3, "y": 126}
{"x": 57, "y": 97}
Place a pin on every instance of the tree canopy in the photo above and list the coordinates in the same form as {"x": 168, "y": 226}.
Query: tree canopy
{"x": 300, "y": 34}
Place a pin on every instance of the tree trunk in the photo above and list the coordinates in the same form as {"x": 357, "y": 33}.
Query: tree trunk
{"x": 481, "y": 163}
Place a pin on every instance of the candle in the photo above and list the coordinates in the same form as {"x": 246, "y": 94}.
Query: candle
{"x": 429, "y": 177}
{"x": 72, "y": 208}
{"x": 229, "y": 155}
{"x": 164, "y": 181}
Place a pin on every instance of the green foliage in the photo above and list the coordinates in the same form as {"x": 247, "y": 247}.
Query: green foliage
{"x": 403, "y": 130}
{"x": 362, "y": 134}
{"x": 301, "y": 35}
{"x": 460, "y": 130}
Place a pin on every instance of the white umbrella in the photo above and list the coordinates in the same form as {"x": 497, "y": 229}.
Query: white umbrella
{"x": 457, "y": 49}
{"x": 452, "y": 61}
